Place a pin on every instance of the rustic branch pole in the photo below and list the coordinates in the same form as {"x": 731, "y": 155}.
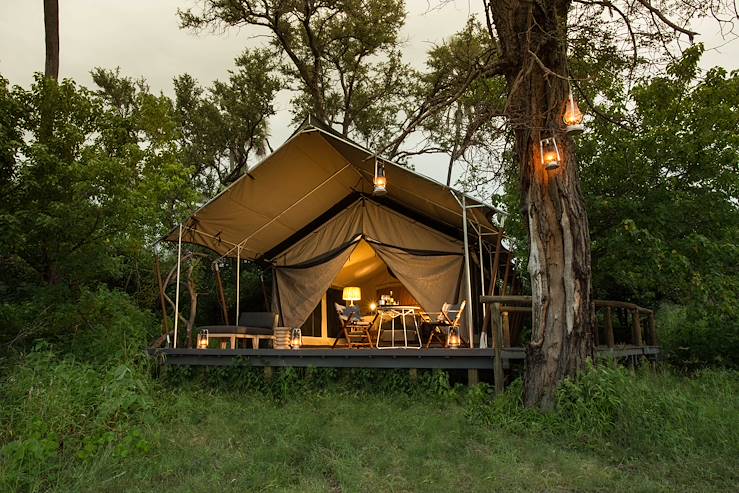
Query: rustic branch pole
{"x": 506, "y": 330}
{"x": 493, "y": 279}
{"x": 165, "y": 318}
{"x": 221, "y": 293}
{"x": 507, "y": 272}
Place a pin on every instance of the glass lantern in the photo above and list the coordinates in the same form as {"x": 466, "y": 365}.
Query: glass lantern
{"x": 296, "y": 338}
{"x": 454, "y": 339}
{"x": 202, "y": 339}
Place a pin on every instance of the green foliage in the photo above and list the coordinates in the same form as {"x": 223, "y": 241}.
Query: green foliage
{"x": 632, "y": 417}
{"x": 59, "y": 411}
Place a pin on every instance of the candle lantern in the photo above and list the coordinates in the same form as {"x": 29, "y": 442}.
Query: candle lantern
{"x": 572, "y": 116}
{"x": 202, "y": 339}
{"x": 380, "y": 180}
{"x": 296, "y": 338}
{"x": 454, "y": 340}
{"x": 549, "y": 150}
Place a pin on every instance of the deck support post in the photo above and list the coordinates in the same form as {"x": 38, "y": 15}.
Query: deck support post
{"x": 177, "y": 288}
{"x": 473, "y": 377}
{"x": 413, "y": 375}
{"x": 497, "y": 349}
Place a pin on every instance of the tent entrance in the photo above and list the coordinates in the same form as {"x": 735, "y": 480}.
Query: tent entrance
{"x": 363, "y": 269}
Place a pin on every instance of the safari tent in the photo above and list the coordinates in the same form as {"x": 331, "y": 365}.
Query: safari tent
{"x": 309, "y": 213}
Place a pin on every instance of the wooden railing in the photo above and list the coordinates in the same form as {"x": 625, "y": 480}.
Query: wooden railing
{"x": 635, "y": 317}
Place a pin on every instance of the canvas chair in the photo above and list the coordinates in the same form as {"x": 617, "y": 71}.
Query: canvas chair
{"x": 356, "y": 330}
{"x": 449, "y": 316}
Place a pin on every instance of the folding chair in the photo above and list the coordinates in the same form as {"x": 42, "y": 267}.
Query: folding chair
{"x": 355, "y": 330}
{"x": 450, "y": 317}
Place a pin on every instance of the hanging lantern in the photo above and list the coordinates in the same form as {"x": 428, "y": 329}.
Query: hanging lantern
{"x": 573, "y": 116}
{"x": 550, "y": 157}
{"x": 296, "y": 338}
{"x": 454, "y": 339}
{"x": 380, "y": 180}
{"x": 202, "y": 339}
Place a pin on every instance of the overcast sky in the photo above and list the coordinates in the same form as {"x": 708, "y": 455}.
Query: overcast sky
{"x": 143, "y": 38}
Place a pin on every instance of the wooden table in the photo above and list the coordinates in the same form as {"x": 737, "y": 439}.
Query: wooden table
{"x": 391, "y": 312}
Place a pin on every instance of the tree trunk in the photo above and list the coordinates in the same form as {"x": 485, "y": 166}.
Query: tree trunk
{"x": 51, "y": 26}
{"x": 532, "y": 38}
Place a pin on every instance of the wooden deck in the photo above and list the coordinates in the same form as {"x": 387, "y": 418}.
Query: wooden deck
{"x": 470, "y": 359}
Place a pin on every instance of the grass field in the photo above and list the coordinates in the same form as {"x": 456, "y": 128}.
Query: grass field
{"x": 134, "y": 434}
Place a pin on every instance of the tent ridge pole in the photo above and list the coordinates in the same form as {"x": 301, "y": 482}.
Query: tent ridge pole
{"x": 177, "y": 289}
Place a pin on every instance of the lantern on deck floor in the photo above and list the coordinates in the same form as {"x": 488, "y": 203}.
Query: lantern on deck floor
{"x": 572, "y": 116}
{"x": 454, "y": 340}
{"x": 380, "y": 180}
{"x": 202, "y": 339}
{"x": 549, "y": 151}
{"x": 296, "y": 338}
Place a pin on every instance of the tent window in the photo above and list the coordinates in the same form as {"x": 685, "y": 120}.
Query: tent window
{"x": 312, "y": 325}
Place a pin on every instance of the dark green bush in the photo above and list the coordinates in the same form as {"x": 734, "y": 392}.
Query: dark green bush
{"x": 644, "y": 414}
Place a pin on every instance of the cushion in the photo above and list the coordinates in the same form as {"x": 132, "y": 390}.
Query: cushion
{"x": 237, "y": 329}
{"x": 258, "y": 319}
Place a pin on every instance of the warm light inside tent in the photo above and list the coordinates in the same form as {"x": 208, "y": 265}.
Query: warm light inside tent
{"x": 352, "y": 294}
{"x": 550, "y": 157}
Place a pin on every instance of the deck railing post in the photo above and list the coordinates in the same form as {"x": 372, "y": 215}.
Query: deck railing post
{"x": 609, "y": 327}
{"x": 652, "y": 330}
{"x": 506, "y": 330}
{"x": 636, "y": 331}
{"x": 497, "y": 349}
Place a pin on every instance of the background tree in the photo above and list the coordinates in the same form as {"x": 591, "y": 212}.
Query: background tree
{"x": 51, "y": 31}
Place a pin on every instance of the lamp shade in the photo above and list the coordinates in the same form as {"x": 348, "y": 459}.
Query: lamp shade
{"x": 352, "y": 293}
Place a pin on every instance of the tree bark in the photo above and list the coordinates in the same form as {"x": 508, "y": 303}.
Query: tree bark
{"x": 51, "y": 28}
{"x": 532, "y": 37}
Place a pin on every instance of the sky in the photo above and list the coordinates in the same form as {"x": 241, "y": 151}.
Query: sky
{"x": 142, "y": 37}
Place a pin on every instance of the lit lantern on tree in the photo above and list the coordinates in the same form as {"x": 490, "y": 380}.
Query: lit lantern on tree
{"x": 572, "y": 116}
{"x": 380, "y": 180}
{"x": 296, "y": 338}
{"x": 202, "y": 339}
{"x": 549, "y": 151}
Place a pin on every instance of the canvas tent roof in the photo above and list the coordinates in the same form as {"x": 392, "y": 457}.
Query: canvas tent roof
{"x": 312, "y": 172}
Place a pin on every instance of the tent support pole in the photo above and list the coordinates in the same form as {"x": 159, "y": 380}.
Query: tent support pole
{"x": 177, "y": 289}
{"x": 238, "y": 284}
{"x": 470, "y": 330}
{"x": 221, "y": 293}
{"x": 482, "y": 272}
